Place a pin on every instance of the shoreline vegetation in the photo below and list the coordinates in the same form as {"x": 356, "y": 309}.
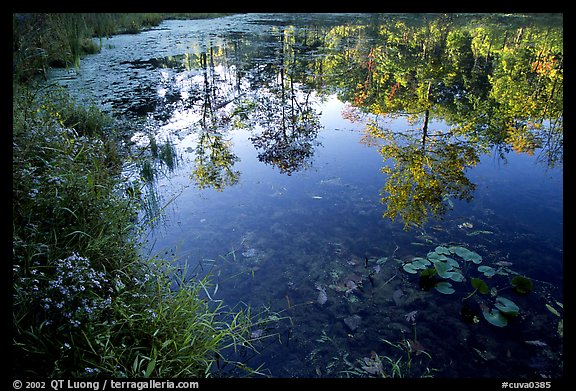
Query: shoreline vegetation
{"x": 85, "y": 302}
{"x": 44, "y": 40}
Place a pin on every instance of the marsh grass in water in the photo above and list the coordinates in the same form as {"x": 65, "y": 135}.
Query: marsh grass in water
{"x": 44, "y": 40}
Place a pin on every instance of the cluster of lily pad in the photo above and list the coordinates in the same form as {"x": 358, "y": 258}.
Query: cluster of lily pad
{"x": 445, "y": 263}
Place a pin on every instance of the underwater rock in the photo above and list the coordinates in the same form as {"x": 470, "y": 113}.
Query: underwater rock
{"x": 353, "y": 322}
{"x": 322, "y": 297}
{"x": 351, "y": 286}
{"x": 396, "y": 296}
{"x": 250, "y": 253}
{"x": 373, "y": 365}
{"x": 257, "y": 333}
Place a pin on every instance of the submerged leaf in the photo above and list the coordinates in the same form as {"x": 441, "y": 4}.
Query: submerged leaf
{"x": 410, "y": 268}
{"x": 435, "y": 257}
{"x": 322, "y": 297}
{"x": 553, "y": 310}
{"x": 507, "y": 306}
{"x": 443, "y": 269}
{"x": 456, "y": 276}
{"x": 466, "y": 254}
{"x": 479, "y": 285}
{"x": 420, "y": 263}
{"x": 495, "y": 317}
{"x": 442, "y": 250}
{"x": 444, "y": 287}
{"x": 522, "y": 284}
{"x": 452, "y": 262}
{"x": 537, "y": 342}
{"x": 488, "y": 271}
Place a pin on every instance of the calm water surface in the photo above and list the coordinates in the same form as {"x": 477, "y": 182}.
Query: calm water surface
{"x": 275, "y": 133}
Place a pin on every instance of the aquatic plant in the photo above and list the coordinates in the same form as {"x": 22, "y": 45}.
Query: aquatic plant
{"x": 479, "y": 286}
{"x": 447, "y": 266}
{"x": 488, "y": 271}
{"x": 389, "y": 365}
{"x": 444, "y": 287}
{"x": 505, "y": 310}
{"x": 522, "y": 284}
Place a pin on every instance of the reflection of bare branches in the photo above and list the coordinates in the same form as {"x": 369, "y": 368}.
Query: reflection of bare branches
{"x": 552, "y": 152}
{"x": 289, "y": 128}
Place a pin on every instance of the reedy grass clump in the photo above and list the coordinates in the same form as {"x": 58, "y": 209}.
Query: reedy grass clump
{"x": 85, "y": 302}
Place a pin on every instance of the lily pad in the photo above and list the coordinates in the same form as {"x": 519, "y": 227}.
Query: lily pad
{"x": 443, "y": 269}
{"x": 442, "y": 250}
{"x": 488, "y": 271}
{"x": 420, "y": 265}
{"x": 506, "y": 306}
{"x": 456, "y": 276}
{"x": 479, "y": 285}
{"x": 495, "y": 317}
{"x": 444, "y": 287}
{"x": 452, "y": 262}
{"x": 410, "y": 268}
{"x": 421, "y": 260}
{"x": 522, "y": 284}
{"x": 502, "y": 271}
{"x": 466, "y": 254}
{"x": 435, "y": 257}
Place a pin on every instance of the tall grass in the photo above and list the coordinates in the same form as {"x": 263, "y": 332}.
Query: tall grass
{"x": 85, "y": 303}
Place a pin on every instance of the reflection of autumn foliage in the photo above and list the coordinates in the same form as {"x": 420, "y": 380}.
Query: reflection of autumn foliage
{"x": 547, "y": 63}
{"x": 361, "y": 95}
{"x": 395, "y": 88}
{"x": 351, "y": 113}
{"x": 363, "y": 90}
{"x": 522, "y": 140}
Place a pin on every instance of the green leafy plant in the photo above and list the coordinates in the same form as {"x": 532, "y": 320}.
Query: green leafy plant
{"x": 450, "y": 265}
{"x": 85, "y": 302}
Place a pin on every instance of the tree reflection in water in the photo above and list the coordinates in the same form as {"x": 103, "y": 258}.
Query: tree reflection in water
{"x": 493, "y": 86}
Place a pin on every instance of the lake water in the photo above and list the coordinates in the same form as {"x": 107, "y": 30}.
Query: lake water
{"x": 321, "y": 163}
